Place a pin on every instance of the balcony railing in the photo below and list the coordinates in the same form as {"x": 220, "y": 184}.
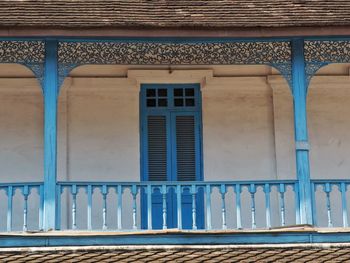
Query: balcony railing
{"x": 329, "y": 194}
{"x": 212, "y": 194}
{"x": 21, "y": 193}
{"x": 137, "y": 206}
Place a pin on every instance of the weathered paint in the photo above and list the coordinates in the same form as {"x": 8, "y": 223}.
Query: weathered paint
{"x": 50, "y": 134}
{"x": 299, "y": 90}
{"x": 176, "y": 238}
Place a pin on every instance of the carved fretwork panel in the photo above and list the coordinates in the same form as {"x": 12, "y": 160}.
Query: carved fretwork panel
{"x": 320, "y": 53}
{"x": 327, "y": 51}
{"x": 28, "y": 53}
{"x": 276, "y": 54}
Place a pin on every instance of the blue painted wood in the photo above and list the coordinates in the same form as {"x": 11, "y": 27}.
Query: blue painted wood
{"x": 104, "y": 191}
{"x": 238, "y": 191}
{"x": 89, "y": 206}
{"x": 252, "y": 191}
{"x": 50, "y": 133}
{"x": 74, "y": 192}
{"x": 41, "y": 206}
{"x": 326, "y": 185}
{"x": 10, "y": 194}
{"x": 170, "y": 115}
{"x": 175, "y": 39}
{"x": 328, "y": 189}
{"x": 199, "y": 195}
{"x": 301, "y": 132}
{"x": 313, "y": 200}
{"x": 164, "y": 196}
{"x": 343, "y": 189}
{"x": 179, "y": 206}
{"x": 223, "y": 191}
{"x": 192, "y": 189}
{"x": 119, "y": 206}
{"x": 149, "y": 206}
{"x": 59, "y": 190}
{"x": 208, "y": 206}
{"x": 134, "y": 191}
{"x": 281, "y": 191}
{"x": 267, "y": 191}
{"x": 25, "y": 193}
{"x": 198, "y": 183}
{"x": 308, "y": 237}
{"x": 193, "y": 192}
{"x": 297, "y": 203}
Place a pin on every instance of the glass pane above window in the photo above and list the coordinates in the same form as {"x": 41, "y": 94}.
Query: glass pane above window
{"x": 190, "y": 102}
{"x": 162, "y": 102}
{"x": 189, "y": 92}
{"x": 171, "y": 96}
{"x": 151, "y": 102}
{"x": 178, "y": 92}
{"x": 162, "y": 93}
{"x": 178, "y": 102}
{"x": 150, "y": 92}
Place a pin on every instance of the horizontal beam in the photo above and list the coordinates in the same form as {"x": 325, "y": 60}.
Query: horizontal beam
{"x": 88, "y": 239}
{"x": 175, "y": 32}
{"x": 174, "y": 38}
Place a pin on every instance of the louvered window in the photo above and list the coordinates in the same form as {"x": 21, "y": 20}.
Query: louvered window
{"x": 157, "y": 148}
{"x": 185, "y": 148}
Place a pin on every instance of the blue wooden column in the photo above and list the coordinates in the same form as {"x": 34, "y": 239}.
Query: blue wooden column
{"x": 301, "y": 132}
{"x": 50, "y": 134}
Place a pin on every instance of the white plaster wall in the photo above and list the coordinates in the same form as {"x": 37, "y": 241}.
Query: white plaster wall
{"x": 21, "y": 133}
{"x": 102, "y": 126}
{"x": 283, "y": 128}
{"x": 21, "y": 145}
{"x": 238, "y": 128}
{"x": 329, "y": 126}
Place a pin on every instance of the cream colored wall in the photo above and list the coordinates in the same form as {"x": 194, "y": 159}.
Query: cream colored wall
{"x": 247, "y": 131}
{"x": 238, "y": 128}
{"x": 21, "y": 144}
{"x": 21, "y": 120}
{"x": 329, "y": 126}
{"x": 102, "y": 129}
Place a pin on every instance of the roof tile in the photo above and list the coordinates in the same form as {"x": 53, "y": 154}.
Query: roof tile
{"x": 292, "y": 254}
{"x": 170, "y": 13}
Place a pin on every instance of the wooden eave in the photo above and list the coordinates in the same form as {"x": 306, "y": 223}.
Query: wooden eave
{"x": 234, "y": 32}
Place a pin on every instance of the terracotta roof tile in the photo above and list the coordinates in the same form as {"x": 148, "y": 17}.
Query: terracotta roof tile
{"x": 171, "y": 13}
{"x": 193, "y": 255}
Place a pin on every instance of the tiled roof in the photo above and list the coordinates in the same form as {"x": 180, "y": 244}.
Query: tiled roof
{"x": 193, "y": 255}
{"x": 173, "y": 13}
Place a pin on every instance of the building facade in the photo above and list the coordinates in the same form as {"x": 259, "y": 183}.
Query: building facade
{"x": 215, "y": 138}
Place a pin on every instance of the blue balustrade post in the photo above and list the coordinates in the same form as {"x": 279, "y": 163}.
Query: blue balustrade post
{"x": 50, "y": 91}
{"x": 301, "y": 132}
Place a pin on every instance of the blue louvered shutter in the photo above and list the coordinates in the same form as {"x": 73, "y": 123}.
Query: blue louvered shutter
{"x": 185, "y": 148}
{"x": 157, "y": 148}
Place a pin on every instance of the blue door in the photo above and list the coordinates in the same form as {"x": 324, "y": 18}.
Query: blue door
{"x": 171, "y": 148}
